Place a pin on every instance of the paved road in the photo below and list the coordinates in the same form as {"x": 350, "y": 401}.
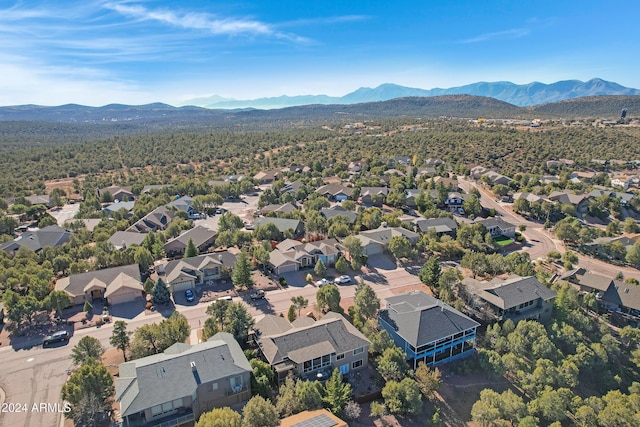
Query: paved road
{"x": 36, "y": 374}
{"x": 540, "y": 242}
{"x": 65, "y": 213}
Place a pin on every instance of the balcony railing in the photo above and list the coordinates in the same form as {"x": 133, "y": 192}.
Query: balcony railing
{"x": 237, "y": 390}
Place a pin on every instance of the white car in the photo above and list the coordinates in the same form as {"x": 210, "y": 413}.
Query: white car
{"x": 320, "y": 283}
{"x": 342, "y": 280}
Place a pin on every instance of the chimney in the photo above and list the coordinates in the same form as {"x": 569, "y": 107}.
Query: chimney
{"x": 193, "y": 367}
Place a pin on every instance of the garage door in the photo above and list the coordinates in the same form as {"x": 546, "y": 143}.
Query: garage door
{"x": 125, "y": 296}
{"x": 183, "y": 286}
{"x": 287, "y": 268}
{"x": 373, "y": 249}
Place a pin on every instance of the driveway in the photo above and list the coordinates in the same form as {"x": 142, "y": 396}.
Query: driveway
{"x": 65, "y": 213}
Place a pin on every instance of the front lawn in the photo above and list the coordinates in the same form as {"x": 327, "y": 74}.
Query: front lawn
{"x": 503, "y": 240}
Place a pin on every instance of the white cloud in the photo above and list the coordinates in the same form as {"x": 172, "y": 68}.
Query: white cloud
{"x": 514, "y": 33}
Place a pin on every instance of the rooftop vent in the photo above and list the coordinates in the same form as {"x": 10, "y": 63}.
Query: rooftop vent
{"x": 193, "y": 366}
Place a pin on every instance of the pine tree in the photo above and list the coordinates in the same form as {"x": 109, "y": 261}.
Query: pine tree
{"x": 320, "y": 269}
{"x": 160, "y": 293}
{"x": 291, "y": 314}
{"x": 191, "y": 249}
{"x": 241, "y": 276}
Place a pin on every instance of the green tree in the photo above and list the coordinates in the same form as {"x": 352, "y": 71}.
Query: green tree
{"x": 472, "y": 206}
{"x": 287, "y": 402}
{"x": 356, "y": 251}
{"x": 633, "y": 255}
{"x": 342, "y": 265}
{"x": 337, "y": 393}
{"x": 160, "y": 293}
{"x": 88, "y": 350}
{"x": 320, "y": 269}
{"x": 220, "y": 417}
{"x": 309, "y": 394}
{"x": 241, "y": 276}
{"x": 57, "y": 300}
{"x": 402, "y": 397}
{"x": 143, "y": 258}
{"x": 392, "y": 365}
{"x": 366, "y": 300}
{"x": 120, "y": 337}
{"x": 87, "y": 307}
{"x": 23, "y": 309}
{"x": 430, "y": 272}
{"x": 380, "y": 341}
{"x": 328, "y": 298}
{"x": 428, "y": 379}
{"x": 486, "y": 410}
{"x": 91, "y": 378}
{"x": 148, "y": 285}
{"x": 239, "y": 321}
{"x": 400, "y": 247}
{"x": 291, "y": 313}
{"x": 300, "y": 302}
{"x": 89, "y": 411}
{"x": 210, "y": 328}
{"x": 191, "y": 250}
{"x": 259, "y": 412}
{"x": 261, "y": 377}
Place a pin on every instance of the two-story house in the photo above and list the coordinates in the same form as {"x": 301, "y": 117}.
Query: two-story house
{"x": 311, "y": 349}
{"x": 427, "y": 329}
{"x": 516, "y": 298}
{"x": 173, "y": 388}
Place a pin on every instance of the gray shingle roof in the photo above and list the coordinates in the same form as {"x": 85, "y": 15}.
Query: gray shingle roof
{"x": 331, "y": 334}
{"x": 421, "y": 319}
{"x": 440, "y": 225}
{"x": 511, "y": 292}
{"x": 283, "y": 224}
{"x": 76, "y": 283}
{"x": 122, "y": 239}
{"x": 52, "y": 235}
{"x": 173, "y": 268}
{"x": 198, "y": 234}
{"x": 164, "y": 377}
{"x": 334, "y": 211}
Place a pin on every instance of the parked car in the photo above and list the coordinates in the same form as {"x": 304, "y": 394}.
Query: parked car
{"x": 259, "y": 294}
{"x": 342, "y": 280}
{"x": 320, "y": 283}
{"x": 189, "y": 295}
{"x": 60, "y": 336}
{"x": 225, "y": 298}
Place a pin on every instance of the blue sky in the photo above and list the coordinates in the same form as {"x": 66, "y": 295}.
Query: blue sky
{"x": 96, "y": 52}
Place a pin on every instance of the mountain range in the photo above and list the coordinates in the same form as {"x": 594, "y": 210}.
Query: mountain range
{"x": 520, "y": 95}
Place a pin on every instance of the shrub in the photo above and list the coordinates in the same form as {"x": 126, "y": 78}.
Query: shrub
{"x": 148, "y": 305}
{"x": 283, "y": 282}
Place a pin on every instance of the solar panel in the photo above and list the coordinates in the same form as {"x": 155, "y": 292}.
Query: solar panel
{"x": 321, "y": 420}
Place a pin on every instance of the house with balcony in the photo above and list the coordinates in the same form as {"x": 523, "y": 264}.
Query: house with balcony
{"x": 516, "y": 298}
{"x": 156, "y": 220}
{"x": 427, "y": 329}
{"x": 186, "y": 273}
{"x": 175, "y": 387}
{"x": 311, "y": 349}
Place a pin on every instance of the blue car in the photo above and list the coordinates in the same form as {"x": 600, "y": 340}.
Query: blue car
{"x": 189, "y": 295}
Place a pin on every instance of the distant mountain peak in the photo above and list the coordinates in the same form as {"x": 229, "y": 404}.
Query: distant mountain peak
{"x": 534, "y": 93}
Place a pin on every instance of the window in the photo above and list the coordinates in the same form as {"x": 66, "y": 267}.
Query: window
{"x": 213, "y": 386}
{"x": 356, "y": 364}
{"x": 358, "y": 350}
{"x": 317, "y": 363}
{"x": 236, "y": 383}
{"x": 340, "y": 356}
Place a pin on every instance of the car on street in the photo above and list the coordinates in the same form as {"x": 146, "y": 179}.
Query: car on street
{"x": 320, "y": 283}
{"x": 259, "y": 294}
{"x": 342, "y": 280}
{"x": 60, "y": 336}
{"x": 188, "y": 294}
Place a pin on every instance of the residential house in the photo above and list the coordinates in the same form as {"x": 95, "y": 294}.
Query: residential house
{"x": 356, "y": 167}
{"x": 530, "y": 197}
{"x": 496, "y": 178}
{"x": 311, "y": 349}
{"x": 455, "y": 200}
{"x": 317, "y": 418}
{"x": 550, "y": 179}
{"x": 279, "y": 208}
{"x": 338, "y": 210}
{"x": 154, "y": 188}
{"x": 377, "y": 241}
{"x": 267, "y": 177}
{"x": 625, "y": 198}
{"x": 516, "y": 298}
{"x": 498, "y": 227}
{"x": 118, "y": 193}
{"x": 283, "y": 224}
{"x": 427, "y": 329}
{"x": 125, "y": 239}
{"x": 52, "y": 235}
{"x": 600, "y": 245}
{"x": 185, "y": 204}
{"x": 118, "y": 206}
{"x": 373, "y": 195}
{"x": 449, "y": 183}
{"x": 620, "y": 299}
{"x": 292, "y": 255}
{"x": 292, "y": 187}
{"x": 428, "y": 171}
{"x": 440, "y": 226}
{"x": 400, "y": 160}
{"x": 579, "y": 201}
{"x": 175, "y": 387}
{"x": 410, "y": 196}
{"x": 433, "y": 162}
{"x": 203, "y": 238}
{"x": 117, "y": 285}
{"x": 186, "y": 273}
{"x": 42, "y": 199}
{"x": 335, "y": 192}
{"x": 156, "y": 220}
